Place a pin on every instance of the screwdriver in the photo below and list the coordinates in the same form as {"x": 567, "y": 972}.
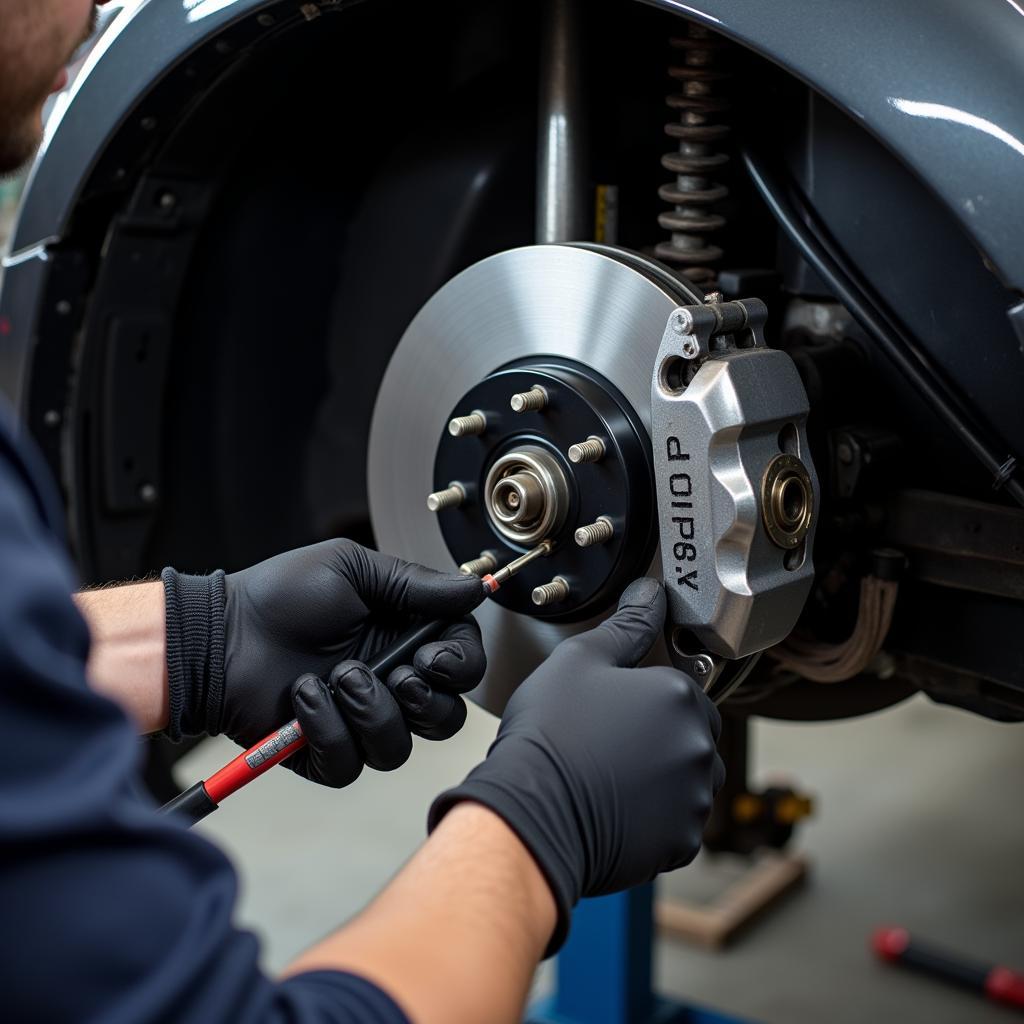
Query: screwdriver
{"x": 205, "y": 797}
{"x": 494, "y": 581}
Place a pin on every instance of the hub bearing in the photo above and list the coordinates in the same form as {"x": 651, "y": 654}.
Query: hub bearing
{"x": 526, "y": 495}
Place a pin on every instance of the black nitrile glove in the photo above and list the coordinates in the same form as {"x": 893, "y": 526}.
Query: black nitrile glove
{"x": 289, "y": 637}
{"x": 604, "y": 771}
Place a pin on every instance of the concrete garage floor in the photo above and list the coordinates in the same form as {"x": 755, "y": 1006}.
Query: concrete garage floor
{"x": 920, "y": 822}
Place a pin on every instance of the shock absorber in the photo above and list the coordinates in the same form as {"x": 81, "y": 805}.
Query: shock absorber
{"x": 694, "y": 193}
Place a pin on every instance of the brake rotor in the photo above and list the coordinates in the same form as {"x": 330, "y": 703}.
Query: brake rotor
{"x": 600, "y": 309}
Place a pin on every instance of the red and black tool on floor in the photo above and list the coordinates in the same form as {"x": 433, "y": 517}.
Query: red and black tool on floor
{"x": 205, "y": 797}
{"x": 1000, "y": 984}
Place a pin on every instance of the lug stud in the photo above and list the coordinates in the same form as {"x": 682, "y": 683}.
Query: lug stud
{"x": 468, "y": 426}
{"x": 551, "y": 593}
{"x": 487, "y": 562}
{"x": 451, "y": 497}
{"x": 598, "y": 532}
{"x": 529, "y": 401}
{"x": 590, "y": 450}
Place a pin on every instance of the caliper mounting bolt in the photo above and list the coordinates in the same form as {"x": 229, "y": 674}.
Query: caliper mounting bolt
{"x": 468, "y": 426}
{"x": 682, "y": 321}
{"x": 530, "y": 401}
{"x": 551, "y": 593}
{"x": 591, "y": 450}
{"x": 702, "y": 665}
{"x": 451, "y": 497}
{"x": 598, "y": 532}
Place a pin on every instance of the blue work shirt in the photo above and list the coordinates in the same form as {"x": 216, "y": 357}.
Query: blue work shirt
{"x": 109, "y": 913}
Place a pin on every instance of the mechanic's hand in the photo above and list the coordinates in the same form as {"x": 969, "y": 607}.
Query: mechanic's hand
{"x": 296, "y": 631}
{"x": 605, "y": 772}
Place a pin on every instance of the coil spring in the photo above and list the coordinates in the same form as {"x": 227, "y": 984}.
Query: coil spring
{"x": 693, "y": 192}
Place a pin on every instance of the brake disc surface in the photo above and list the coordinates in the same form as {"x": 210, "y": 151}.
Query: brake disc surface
{"x": 601, "y": 307}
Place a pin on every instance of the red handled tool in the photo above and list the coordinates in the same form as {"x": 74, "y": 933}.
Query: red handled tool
{"x": 1000, "y": 984}
{"x": 204, "y": 797}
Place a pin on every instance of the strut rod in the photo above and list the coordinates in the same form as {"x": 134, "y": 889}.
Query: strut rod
{"x": 561, "y": 177}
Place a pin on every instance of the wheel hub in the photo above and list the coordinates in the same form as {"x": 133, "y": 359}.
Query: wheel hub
{"x": 525, "y": 480}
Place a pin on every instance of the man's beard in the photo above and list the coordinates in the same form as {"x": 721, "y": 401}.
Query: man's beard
{"x": 23, "y": 91}
{"x": 18, "y": 143}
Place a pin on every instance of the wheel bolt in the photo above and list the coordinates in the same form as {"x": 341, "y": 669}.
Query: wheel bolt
{"x": 598, "y": 532}
{"x": 529, "y": 401}
{"x": 551, "y": 593}
{"x": 487, "y": 562}
{"x": 468, "y": 426}
{"x": 587, "y": 451}
{"x": 451, "y": 497}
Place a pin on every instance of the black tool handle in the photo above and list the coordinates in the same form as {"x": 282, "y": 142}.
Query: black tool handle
{"x": 402, "y": 650}
{"x": 194, "y": 804}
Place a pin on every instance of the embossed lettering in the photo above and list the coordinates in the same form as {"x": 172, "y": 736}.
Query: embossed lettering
{"x": 685, "y": 526}
{"x": 675, "y": 450}
{"x": 679, "y": 484}
{"x": 680, "y": 488}
{"x": 689, "y": 580}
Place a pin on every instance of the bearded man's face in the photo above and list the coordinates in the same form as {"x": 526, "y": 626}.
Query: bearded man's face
{"x": 37, "y": 38}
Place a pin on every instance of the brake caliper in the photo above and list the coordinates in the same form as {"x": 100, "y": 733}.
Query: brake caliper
{"x": 737, "y": 492}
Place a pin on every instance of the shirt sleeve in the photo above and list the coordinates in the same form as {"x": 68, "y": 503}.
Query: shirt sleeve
{"x": 110, "y": 912}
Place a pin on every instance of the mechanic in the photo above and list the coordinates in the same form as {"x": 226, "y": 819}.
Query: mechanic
{"x": 601, "y": 776}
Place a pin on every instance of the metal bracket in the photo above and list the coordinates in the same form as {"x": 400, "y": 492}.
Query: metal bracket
{"x": 718, "y": 677}
{"x": 718, "y": 327}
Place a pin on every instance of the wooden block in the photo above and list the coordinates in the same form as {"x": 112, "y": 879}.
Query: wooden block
{"x": 715, "y": 924}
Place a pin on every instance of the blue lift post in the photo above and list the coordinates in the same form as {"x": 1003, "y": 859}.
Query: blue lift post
{"x": 604, "y": 970}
